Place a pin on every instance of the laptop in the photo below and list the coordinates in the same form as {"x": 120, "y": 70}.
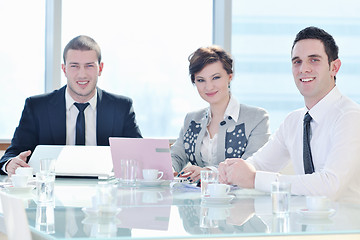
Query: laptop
{"x": 149, "y": 153}
{"x": 75, "y": 161}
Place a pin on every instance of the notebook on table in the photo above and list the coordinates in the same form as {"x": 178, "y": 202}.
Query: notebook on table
{"x": 149, "y": 154}
{"x": 75, "y": 161}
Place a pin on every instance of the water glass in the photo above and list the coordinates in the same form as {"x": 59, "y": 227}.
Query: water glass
{"x": 280, "y": 195}
{"x": 128, "y": 172}
{"x": 208, "y": 177}
{"x": 47, "y": 165}
{"x": 45, "y": 187}
{"x": 45, "y": 220}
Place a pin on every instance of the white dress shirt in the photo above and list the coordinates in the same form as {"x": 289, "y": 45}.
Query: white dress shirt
{"x": 335, "y": 148}
{"x": 209, "y": 145}
{"x": 90, "y": 120}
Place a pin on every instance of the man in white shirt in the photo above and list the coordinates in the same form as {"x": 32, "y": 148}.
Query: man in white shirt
{"x": 334, "y": 131}
{"x": 78, "y": 113}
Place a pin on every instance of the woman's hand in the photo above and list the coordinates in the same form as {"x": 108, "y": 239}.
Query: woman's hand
{"x": 192, "y": 173}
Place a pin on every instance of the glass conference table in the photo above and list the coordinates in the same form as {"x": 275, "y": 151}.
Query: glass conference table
{"x": 164, "y": 212}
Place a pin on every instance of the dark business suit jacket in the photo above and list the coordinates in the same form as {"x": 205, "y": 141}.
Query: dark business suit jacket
{"x": 43, "y": 121}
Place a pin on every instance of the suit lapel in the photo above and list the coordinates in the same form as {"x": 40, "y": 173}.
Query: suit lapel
{"x": 57, "y": 116}
{"x": 104, "y": 118}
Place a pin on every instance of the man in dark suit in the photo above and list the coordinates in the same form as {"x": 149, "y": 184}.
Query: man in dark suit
{"x": 51, "y": 119}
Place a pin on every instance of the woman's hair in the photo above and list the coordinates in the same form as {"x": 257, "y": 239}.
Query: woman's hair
{"x": 207, "y": 55}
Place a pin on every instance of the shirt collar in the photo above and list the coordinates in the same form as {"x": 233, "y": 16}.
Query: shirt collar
{"x": 232, "y": 110}
{"x": 70, "y": 101}
{"x": 318, "y": 112}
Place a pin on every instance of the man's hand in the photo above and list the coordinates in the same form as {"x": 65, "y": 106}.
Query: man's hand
{"x": 18, "y": 161}
{"x": 237, "y": 171}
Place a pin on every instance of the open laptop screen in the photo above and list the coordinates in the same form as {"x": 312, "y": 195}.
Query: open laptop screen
{"x": 149, "y": 154}
{"x": 75, "y": 161}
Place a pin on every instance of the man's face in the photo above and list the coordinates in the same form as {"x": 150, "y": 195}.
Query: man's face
{"x": 313, "y": 75}
{"x": 82, "y": 71}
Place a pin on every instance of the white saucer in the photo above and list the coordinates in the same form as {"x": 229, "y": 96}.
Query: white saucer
{"x": 316, "y": 214}
{"x": 151, "y": 182}
{"x": 218, "y": 200}
{"x": 13, "y": 189}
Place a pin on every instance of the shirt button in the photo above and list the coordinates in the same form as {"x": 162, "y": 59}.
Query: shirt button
{"x": 222, "y": 123}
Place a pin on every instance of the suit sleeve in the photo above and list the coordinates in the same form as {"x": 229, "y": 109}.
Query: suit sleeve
{"x": 178, "y": 156}
{"x": 25, "y": 136}
{"x": 259, "y": 134}
{"x": 131, "y": 129}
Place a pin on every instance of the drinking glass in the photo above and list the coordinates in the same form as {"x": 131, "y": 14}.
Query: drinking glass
{"x": 280, "y": 195}
{"x": 45, "y": 187}
{"x": 128, "y": 172}
{"x": 47, "y": 165}
{"x": 207, "y": 177}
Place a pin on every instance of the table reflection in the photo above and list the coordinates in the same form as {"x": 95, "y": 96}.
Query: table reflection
{"x": 45, "y": 218}
{"x": 237, "y": 217}
{"x": 162, "y": 212}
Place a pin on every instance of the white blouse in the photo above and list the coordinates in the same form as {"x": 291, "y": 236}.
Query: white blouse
{"x": 209, "y": 145}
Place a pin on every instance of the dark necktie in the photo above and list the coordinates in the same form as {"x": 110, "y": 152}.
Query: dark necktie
{"x": 307, "y": 158}
{"x": 80, "y": 123}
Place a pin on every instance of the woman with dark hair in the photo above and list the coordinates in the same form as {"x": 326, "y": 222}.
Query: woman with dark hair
{"x": 225, "y": 129}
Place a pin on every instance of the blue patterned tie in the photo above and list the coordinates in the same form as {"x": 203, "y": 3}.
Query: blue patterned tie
{"x": 307, "y": 158}
{"x": 80, "y": 123}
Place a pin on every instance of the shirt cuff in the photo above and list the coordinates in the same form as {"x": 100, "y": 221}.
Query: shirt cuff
{"x": 263, "y": 180}
{"x": 4, "y": 166}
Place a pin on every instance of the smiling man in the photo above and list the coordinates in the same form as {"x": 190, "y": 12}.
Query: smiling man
{"x": 79, "y": 113}
{"x": 322, "y": 140}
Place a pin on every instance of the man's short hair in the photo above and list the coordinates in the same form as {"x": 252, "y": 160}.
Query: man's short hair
{"x": 83, "y": 43}
{"x": 331, "y": 49}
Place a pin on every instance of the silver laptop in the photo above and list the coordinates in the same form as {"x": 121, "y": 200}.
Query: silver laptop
{"x": 75, "y": 161}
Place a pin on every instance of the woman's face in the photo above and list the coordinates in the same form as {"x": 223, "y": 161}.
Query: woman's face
{"x": 212, "y": 83}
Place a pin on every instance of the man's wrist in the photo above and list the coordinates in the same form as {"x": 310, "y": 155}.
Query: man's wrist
{"x": 5, "y": 165}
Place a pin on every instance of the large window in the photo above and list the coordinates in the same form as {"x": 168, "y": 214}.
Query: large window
{"x": 262, "y": 36}
{"x": 145, "y": 46}
{"x": 22, "y": 58}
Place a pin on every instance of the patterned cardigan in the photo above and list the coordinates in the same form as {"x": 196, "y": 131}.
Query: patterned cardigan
{"x": 236, "y": 138}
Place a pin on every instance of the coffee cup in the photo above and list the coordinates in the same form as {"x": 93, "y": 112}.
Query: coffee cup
{"x": 152, "y": 174}
{"x": 317, "y": 203}
{"x": 28, "y": 171}
{"x": 218, "y": 190}
{"x": 19, "y": 180}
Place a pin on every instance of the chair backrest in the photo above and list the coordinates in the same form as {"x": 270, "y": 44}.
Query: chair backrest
{"x": 16, "y": 222}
